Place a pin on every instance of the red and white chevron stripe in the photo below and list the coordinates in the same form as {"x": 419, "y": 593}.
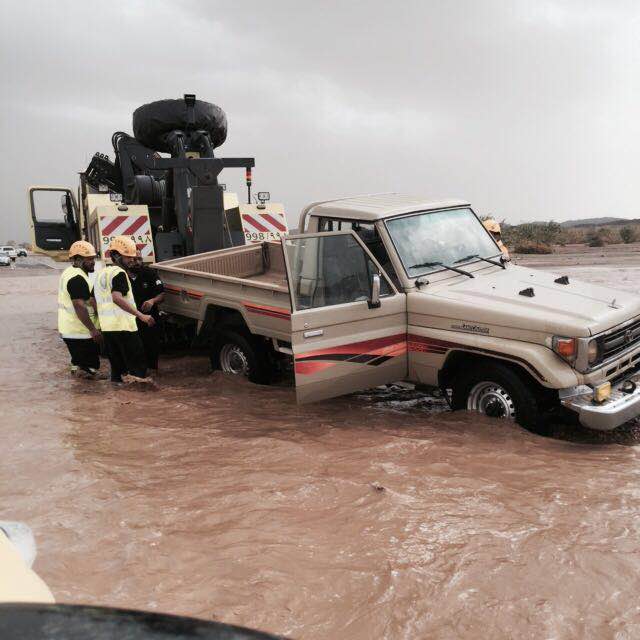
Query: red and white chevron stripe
{"x": 137, "y": 227}
{"x": 259, "y": 226}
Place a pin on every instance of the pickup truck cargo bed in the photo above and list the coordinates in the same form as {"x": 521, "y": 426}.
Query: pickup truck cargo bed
{"x": 250, "y": 280}
{"x": 260, "y": 265}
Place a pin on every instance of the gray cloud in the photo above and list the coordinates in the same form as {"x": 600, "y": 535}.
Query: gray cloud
{"x": 526, "y": 109}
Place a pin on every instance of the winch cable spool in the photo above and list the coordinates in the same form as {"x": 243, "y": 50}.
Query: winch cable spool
{"x": 139, "y": 188}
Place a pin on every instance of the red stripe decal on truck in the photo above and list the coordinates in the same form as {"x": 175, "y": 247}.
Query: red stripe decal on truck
{"x": 265, "y": 310}
{"x": 276, "y": 223}
{"x": 377, "y": 346}
{"x": 255, "y": 223}
{"x": 113, "y": 225}
{"x": 370, "y": 352}
{"x": 434, "y": 345}
{"x": 196, "y": 295}
{"x": 309, "y": 368}
{"x": 130, "y": 230}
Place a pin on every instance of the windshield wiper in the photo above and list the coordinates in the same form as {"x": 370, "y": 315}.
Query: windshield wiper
{"x": 479, "y": 257}
{"x": 444, "y": 266}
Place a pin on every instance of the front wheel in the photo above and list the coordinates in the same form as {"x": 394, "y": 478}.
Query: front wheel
{"x": 497, "y": 391}
{"x": 239, "y": 354}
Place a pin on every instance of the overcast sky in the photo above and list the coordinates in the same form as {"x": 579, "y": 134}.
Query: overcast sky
{"x": 530, "y": 110}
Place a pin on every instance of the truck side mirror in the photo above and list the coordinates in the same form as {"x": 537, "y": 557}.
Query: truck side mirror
{"x": 374, "y": 300}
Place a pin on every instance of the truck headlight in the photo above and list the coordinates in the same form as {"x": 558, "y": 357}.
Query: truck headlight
{"x": 593, "y": 351}
{"x": 566, "y": 348}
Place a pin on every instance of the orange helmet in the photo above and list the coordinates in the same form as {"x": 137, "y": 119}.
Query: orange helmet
{"x": 124, "y": 246}
{"x": 492, "y": 225}
{"x": 82, "y": 248}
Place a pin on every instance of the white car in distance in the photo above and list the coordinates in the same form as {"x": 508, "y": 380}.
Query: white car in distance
{"x": 10, "y": 251}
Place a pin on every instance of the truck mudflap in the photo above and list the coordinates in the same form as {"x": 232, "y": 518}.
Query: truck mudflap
{"x": 622, "y": 405}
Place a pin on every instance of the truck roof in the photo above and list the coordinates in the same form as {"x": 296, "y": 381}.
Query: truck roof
{"x": 376, "y": 206}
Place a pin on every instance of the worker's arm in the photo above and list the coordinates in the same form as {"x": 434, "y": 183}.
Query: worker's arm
{"x": 80, "y": 307}
{"x": 157, "y": 288}
{"x": 120, "y": 301}
{"x": 147, "y": 305}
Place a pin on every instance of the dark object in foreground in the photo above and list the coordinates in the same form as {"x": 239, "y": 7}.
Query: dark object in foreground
{"x": 79, "y": 622}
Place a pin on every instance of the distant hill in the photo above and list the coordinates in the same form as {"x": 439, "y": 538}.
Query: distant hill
{"x": 589, "y": 222}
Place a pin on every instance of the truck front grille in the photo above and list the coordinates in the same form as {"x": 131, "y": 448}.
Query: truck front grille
{"x": 618, "y": 341}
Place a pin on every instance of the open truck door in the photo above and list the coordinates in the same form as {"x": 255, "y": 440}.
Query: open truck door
{"x": 54, "y": 219}
{"x": 348, "y": 322}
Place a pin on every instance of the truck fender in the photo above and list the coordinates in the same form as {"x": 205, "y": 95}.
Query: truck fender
{"x": 213, "y": 315}
{"x": 538, "y": 361}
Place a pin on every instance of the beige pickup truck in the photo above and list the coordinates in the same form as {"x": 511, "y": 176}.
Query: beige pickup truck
{"x": 381, "y": 288}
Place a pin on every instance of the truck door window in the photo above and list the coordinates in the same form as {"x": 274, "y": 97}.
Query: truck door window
{"x": 368, "y": 233}
{"x": 329, "y": 270}
{"x": 52, "y": 206}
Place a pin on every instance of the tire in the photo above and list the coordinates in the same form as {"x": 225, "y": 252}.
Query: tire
{"x": 153, "y": 121}
{"x": 239, "y": 353}
{"x": 498, "y": 391}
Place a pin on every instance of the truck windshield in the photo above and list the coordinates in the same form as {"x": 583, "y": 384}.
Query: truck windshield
{"x": 428, "y": 241}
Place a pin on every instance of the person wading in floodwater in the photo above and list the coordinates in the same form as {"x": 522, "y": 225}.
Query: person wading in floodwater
{"x": 118, "y": 313}
{"x": 148, "y": 292}
{"x": 77, "y": 320}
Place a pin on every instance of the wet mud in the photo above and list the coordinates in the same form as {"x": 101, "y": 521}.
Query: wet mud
{"x": 379, "y": 515}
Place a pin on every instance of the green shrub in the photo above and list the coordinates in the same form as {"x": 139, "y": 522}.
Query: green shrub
{"x": 628, "y": 235}
{"x": 532, "y": 247}
{"x": 571, "y": 236}
{"x": 547, "y": 233}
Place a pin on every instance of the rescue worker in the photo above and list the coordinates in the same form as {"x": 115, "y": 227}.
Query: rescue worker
{"x": 493, "y": 227}
{"x": 118, "y": 313}
{"x": 77, "y": 321}
{"x": 148, "y": 292}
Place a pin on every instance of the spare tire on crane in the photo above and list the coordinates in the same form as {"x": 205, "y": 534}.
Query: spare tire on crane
{"x": 152, "y": 122}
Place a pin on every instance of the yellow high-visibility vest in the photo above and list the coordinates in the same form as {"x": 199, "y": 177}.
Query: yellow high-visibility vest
{"x": 69, "y": 324}
{"x": 112, "y": 317}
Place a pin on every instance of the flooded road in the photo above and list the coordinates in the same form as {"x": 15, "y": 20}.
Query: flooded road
{"x": 367, "y": 517}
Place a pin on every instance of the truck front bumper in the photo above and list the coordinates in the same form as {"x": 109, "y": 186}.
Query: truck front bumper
{"x": 619, "y": 408}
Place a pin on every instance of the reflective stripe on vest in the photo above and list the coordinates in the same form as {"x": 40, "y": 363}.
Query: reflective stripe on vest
{"x": 69, "y": 325}
{"x": 112, "y": 317}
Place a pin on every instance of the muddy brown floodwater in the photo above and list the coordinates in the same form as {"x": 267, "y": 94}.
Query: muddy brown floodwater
{"x": 367, "y": 517}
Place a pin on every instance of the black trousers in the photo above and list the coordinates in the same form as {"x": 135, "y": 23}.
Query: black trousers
{"x": 84, "y": 353}
{"x": 125, "y": 353}
{"x": 150, "y": 337}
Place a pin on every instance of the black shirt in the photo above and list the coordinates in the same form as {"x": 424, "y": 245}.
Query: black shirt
{"x": 78, "y": 288}
{"x": 146, "y": 285}
{"x": 119, "y": 283}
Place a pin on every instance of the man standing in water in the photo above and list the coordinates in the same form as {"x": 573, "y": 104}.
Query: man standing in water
{"x": 148, "y": 292}
{"x": 118, "y": 313}
{"x": 77, "y": 320}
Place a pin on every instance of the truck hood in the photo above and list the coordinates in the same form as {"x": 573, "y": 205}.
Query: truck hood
{"x": 493, "y": 297}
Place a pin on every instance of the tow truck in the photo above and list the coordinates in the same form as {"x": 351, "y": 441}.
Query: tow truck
{"x": 162, "y": 189}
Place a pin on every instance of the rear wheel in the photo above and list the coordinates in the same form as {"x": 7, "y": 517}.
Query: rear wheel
{"x": 498, "y": 391}
{"x": 241, "y": 354}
